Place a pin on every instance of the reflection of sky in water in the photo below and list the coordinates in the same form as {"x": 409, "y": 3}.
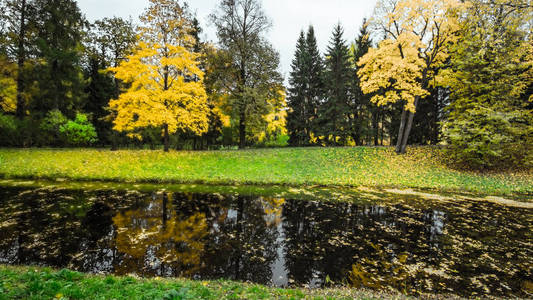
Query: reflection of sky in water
{"x": 279, "y": 273}
{"x": 466, "y": 248}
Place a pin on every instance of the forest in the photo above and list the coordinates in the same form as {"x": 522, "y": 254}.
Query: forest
{"x": 458, "y": 74}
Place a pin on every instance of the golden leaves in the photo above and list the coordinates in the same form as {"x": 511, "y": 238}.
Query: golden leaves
{"x": 166, "y": 87}
{"x": 8, "y": 86}
{"x": 417, "y": 35}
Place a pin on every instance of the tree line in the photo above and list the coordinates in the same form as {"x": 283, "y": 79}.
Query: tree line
{"x": 448, "y": 72}
{"x": 457, "y": 73}
{"x": 69, "y": 82}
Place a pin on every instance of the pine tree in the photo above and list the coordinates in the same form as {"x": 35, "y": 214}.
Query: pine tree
{"x": 362, "y": 109}
{"x": 306, "y": 89}
{"x": 298, "y": 80}
{"x": 61, "y": 84}
{"x": 337, "y": 77}
{"x": 315, "y": 90}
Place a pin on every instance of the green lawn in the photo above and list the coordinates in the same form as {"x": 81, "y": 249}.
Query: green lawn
{"x": 45, "y": 283}
{"x": 422, "y": 167}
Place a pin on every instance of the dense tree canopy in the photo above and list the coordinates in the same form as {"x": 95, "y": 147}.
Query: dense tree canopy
{"x": 448, "y": 72}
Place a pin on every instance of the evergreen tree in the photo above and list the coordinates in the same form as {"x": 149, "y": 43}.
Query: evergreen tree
{"x": 100, "y": 89}
{"x": 363, "y": 111}
{"x": 60, "y": 29}
{"x": 315, "y": 89}
{"x": 297, "y": 124}
{"x": 334, "y": 117}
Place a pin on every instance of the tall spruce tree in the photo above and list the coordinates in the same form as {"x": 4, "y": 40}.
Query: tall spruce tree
{"x": 61, "y": 26}
{"x": 297, "y": 124}
{"x": 306, "y": 89}
{"x": 334, "y": 117}
{"x": 363, "y": 111}
{"x": 315, "y": 90}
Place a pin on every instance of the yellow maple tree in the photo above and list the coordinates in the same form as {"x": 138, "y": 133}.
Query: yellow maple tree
{"x": 165, "y": 82}
{"x": 417, "y": 33}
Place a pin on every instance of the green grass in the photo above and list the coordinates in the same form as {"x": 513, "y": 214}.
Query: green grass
{"x": 421, "y": 167}
{"x": 46, "y": 283}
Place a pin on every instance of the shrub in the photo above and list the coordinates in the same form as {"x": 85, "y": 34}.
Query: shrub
{"x": 50, "y": 126}
{"x": 79, "y": 132}
{"x": 483, "y": 138}
{"x": 280, "y": 140}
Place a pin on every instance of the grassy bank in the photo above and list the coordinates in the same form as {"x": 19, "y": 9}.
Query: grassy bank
{"x": 45, "y": 283}
{"x": 422, "y": 168}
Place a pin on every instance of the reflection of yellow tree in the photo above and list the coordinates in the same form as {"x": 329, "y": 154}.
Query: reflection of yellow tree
{"x": 273, "y": 208}
{"x": 178, "y": 242}
{"x": 381, "y": 272}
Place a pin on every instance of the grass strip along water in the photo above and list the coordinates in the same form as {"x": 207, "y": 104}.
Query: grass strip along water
{"x": 421, "y": 168}
{"x": 45, "y": 283}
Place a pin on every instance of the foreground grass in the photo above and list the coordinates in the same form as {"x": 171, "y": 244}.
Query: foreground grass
{"x": 421, "y": 168}
{"x": 45, "y": 283}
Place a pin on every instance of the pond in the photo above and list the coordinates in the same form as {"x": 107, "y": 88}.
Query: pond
{"x": 406, "y": 242}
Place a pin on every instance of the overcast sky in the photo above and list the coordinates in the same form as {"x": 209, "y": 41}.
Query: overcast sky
{"x": 288, "y": 18}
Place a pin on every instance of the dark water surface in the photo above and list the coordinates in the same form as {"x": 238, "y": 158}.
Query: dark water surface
{"x": 413, "y": 245}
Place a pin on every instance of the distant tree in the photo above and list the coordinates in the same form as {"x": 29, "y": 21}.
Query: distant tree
{"x": 315, "y": 90}
{"x": 250, "y": 61}
{"x": 158, "y": 72}
{"x": 362, "y": 110}
{"x": 306, "y": 89}
{"x": 298, "y": 123}
{"x": 109, "y": 42}
{"x": 417, "y": 34}
{"x": 60, "y": 26}
{"x": 112, "y": 39}
{"x": 17, "y": 38}
{"x": 338, "y": 74}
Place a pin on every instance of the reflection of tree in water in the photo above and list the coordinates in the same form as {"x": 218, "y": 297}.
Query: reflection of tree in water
{"x": 241, "y": 243}
{"x": 189, "y": 234}
{"x": 489, "y": 250}
{"x": 155, "y": 239}
{"x": 40, "y": 225}
{"x": 465, "y": 250}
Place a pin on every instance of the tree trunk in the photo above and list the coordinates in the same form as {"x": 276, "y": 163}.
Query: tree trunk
{"x": 114, "y": 138}
{"x": 401, "y": 132}
{"x": 381, "y": 128}
{"x": 242, "y": 130}
{"x": 20, "y": 61}
{"x": 408, "y": 128}
{"x": 375, "y": 126}
{"x": 166, "y": 139}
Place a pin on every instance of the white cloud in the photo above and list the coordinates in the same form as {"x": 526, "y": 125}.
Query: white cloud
{"x": 288, "y": 18}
